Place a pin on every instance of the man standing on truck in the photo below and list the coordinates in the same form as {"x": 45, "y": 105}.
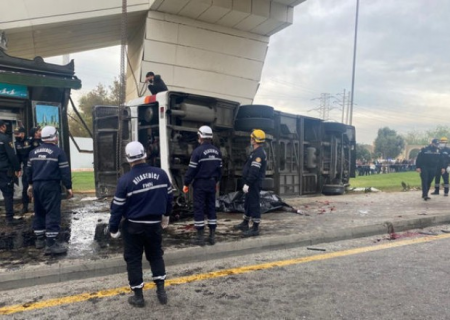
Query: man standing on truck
{"x": 144, "y": 199}
{"x": 47, "y": 168}
{"x": 253, "y": 175}
{"x": 9, "y": 167}
{"x": 155, "y": 83}
{"x": 23, "y": 148}
{"x": 204, "y": 172}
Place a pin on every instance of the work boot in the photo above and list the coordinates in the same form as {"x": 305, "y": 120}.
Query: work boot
{"x": 40, "y": 242}
{"x": 24, "y": 209}
{"x": 10, "y": 221}
{"x": 200, "y": 239}
{"x": 436, "y": 191}
{"x": 252, "y": 232}
{"x": 243, "y": 226}
{"x": 212, "y": 236}
{"x": 138, "y": 299}
{"x": 53, "y": 247}
{"x": 161, "y": 292}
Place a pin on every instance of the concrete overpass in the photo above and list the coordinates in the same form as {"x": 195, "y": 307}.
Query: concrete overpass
{"x": 211, "y": 47}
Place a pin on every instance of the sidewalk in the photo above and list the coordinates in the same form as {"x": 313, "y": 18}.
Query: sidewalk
{"x": 323, "y": 219}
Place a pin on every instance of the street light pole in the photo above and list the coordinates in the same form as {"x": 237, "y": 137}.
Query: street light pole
{"x": 354, "y": 63}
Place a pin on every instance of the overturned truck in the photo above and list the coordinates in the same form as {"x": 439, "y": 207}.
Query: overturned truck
{"x": 305, "y": 155}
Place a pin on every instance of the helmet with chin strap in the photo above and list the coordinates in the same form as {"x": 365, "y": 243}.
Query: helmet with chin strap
{"x": 205, "y": 132}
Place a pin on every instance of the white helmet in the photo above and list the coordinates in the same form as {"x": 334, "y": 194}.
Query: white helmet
{"x": 205, "y": 132}
{"x": 49, "y": 133}
{"x": 135, "y": 151}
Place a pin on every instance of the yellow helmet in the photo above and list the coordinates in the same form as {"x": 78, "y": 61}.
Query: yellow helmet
{"x": 444, "y": 140}
{"x": 258, "y": 135}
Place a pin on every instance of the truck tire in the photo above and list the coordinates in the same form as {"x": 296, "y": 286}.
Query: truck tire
{"x": 333, "y": 189}
{"x": 255, "y": 111}
{"x": 248, "y": 124}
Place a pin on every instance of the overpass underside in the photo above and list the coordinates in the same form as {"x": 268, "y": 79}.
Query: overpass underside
{"x": 210, "y": 47}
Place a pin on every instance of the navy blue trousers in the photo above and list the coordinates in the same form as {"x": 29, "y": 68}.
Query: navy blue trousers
{"x": 252, "y": 204}
{"x": 7, "y": 188}
{"x": 205, "y": 203}
{"x": 139, "y": 238}
{"x": 47, "y": 207}
{"x": 426, "y": 175}
{"x": 25, "y": 198}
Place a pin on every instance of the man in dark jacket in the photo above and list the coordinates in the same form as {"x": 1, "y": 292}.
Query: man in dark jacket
{"x": 47, "y": 168}
{"x": 23, "y": 148}
{"x": 144, "y": 199}
{"x": 155, "y": 83}
{"x": 428, "y": 160}
{"x": 9, "y": 167}
{"x": 253, "y": 175}
{"x": 204, "y": 172}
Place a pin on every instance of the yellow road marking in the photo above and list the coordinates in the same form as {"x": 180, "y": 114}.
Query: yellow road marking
{"x": 211, "y": 275}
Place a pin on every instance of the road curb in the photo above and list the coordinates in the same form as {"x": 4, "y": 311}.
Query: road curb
{"x": 64, "y": 271}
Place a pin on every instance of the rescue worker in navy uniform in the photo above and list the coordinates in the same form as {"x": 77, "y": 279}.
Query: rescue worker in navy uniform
{"x": 253, "y": 175}
{"x": 35, "y": 137}
{"x": 442, "y": 168}
{"x": 204, "y": 172}
{"x": 9, "y": 166}
{"x": 428, "y": 160}
{"x": 155, "y": 83}
{"x": 47, "y": 168}
{"x": 23, "y": 148}
{"x": 144, "y": 199}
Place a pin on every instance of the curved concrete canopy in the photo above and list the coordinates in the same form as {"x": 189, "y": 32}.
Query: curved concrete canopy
{"x": 55, "y": 27}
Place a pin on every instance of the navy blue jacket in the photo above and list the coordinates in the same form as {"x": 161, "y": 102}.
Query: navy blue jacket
{"x": 206, "y": 163}
{"x": 23, "y": 148}
{"x": 8, "y": 159}
{"x": 428, "y": 157}
{"x": 144, "y": 194}
{"x": 48, "y": 163}
{"x": 445, "y": 157}
{"x": 255, "y": 168}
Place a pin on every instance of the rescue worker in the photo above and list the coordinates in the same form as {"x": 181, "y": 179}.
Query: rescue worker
{"x": 155, "y": 83}
{"x": 144, "y": 199}
{"x": 9, "y": 167}
{"x": 204, "y": 172}
{"x": 253, "y": 175}
{"x": 23, "y": 148}
{"x": 35, "y": 137}
{"x": 442, "y": 168}
{"x": 428, "y": 160}
{"x": 47, "y": 168}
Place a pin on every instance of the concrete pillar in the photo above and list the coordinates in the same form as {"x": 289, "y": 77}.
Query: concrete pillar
{"x": 199, "y": 57}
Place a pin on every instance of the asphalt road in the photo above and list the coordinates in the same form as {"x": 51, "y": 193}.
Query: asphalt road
{"x": 367, "y": 278}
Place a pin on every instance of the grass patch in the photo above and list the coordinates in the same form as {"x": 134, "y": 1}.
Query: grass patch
{"x": 83, "y": 181}
{"x": 387, "y": 182}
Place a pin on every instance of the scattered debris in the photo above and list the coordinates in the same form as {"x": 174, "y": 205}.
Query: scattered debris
{"x": 316, "y": 249}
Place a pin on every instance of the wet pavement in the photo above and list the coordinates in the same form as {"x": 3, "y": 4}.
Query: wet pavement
{"x": 318, "y": 215}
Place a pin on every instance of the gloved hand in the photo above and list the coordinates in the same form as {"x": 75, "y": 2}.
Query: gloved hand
{"x": 448, "y": 169}
{"x": 30, "y": 191}
{"x": 245, "y": 188}
{"x": 185, "y": 189}
{"x": 165, "y": 221}
{"x": 113, "y": 235}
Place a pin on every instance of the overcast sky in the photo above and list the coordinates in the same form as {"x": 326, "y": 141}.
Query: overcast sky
{"x": 402, "y": 64}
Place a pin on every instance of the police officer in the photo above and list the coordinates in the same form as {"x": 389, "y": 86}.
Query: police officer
{"x": 35, "y": 137}
{"x": 253, "y": 175}
{"x": 9, "y": 166}
{"x": 204, "y": 172}
{"x": 144, "y": 199}
{"x": 442, "y": 168}
{"x": 23, "y": 148}
{"x": 47, "y": 168}
{"x": 428, "y": 160}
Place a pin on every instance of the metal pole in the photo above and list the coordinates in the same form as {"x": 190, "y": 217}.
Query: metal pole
{"x": 354, "y": 63}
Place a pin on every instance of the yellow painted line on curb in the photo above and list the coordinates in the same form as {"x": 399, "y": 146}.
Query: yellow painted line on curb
{"x": 215, "y": 274}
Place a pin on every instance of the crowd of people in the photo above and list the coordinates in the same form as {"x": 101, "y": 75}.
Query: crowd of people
{"x": 365, "y": 168}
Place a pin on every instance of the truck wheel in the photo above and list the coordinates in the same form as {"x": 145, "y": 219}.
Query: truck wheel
{"x": 248, "y": 124}
{"x": 333, "y": 189}
{"x": 255, "y": 111}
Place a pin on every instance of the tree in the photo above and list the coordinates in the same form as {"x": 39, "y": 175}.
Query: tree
{"x": 388, "y": 143}
{"x": 362, "y": 153}
{"x": 98, "y": 96}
